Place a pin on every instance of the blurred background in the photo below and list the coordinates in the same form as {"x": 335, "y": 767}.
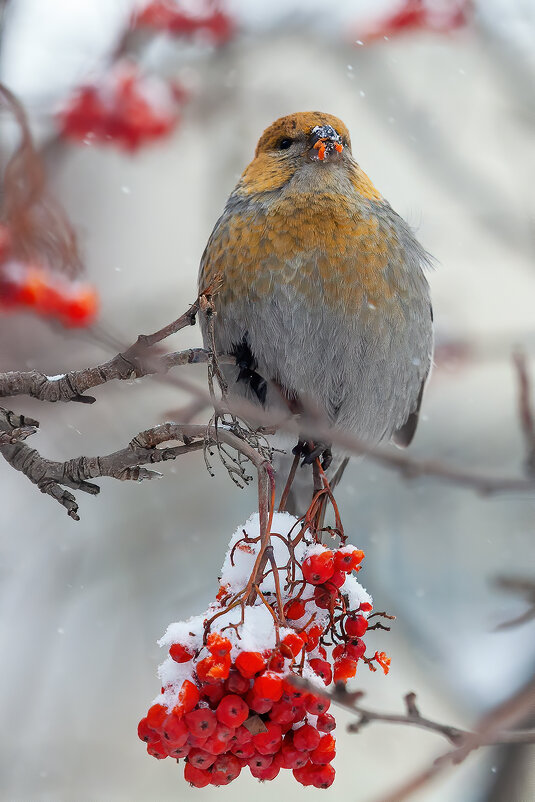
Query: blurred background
{"x": 438, "y": 96}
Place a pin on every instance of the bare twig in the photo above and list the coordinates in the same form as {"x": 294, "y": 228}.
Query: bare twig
{"x": 14, "y": 428}
{"x": 126, "y": 464}
{"x": 525, "y": 410}
{"x": 523, "y": 587}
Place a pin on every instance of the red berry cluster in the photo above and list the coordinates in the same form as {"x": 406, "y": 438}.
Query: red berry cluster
{"x": 227, "y": 699}
{"x": 125, "y": 107}
{"x": 421, "y": 15}
{"x": 242, "y": 713}
{"x": 165, "y": 15}
{"x": 24, "y": 285}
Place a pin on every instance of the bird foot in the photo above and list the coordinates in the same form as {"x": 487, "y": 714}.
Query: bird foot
{"x": 311, "y": 451}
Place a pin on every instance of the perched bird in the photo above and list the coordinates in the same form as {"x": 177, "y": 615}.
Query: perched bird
{"x": 323, "y": 296}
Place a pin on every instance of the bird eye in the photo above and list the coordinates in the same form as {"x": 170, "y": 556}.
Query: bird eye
{"x": 286, "y": 143}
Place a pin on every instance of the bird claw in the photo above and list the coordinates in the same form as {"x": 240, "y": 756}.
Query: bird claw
{"x": 311, "y": 451}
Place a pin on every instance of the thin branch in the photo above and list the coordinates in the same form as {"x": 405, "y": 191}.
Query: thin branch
{"x": 350, "y": 701}
{"x": 522, "y": 587}
{"x": 126, "y": 464}
{"x": 14, "y": 428}
{"x": 525, "y": 409}
{"x": 492, "y": 729}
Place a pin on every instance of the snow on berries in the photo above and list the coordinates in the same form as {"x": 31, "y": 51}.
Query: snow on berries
{"x": 227, "y": 702}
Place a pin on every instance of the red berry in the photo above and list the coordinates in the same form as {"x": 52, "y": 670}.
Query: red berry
{"x": 291, "y": 692}
{"x": 322, "y": 776}
{"x": 201, "y": 722}
{"x": 258, "y": 704}
{"x": 188, "y": 698}
{"x": 225, "y": 769}
{"x": 197, "y": 777}
{"x": 294, "y": 609}
{"x": 347, "y": 558}
{"x": 306, "y": 738}
{"x": 268, "y": 773}
{"x": 325, "y": 752}
{"x": 213, "y": 692}
{"x": 292, "y": 757}
{"x": 344, "y": 668}
{"x": 268, "y": 742}
{"x": 322, "y": 669}
{"x": 178, "y": 751}
{"x": 146, "y": 733}
{"x": 174, "y": 730}
{"x": 157, "y": 750}
{"x": 355, "y": 625}
{"x": 316, "y": 705}
{"x": 268, "y": 686}
{"x": 200, "y": 759}
{"x": 366, "y": 607}
{"x": 318, "y": 568}
{"x": 258, "y": 761}
{"x": 194, "y": 740}
{"x": 236, "y": 683}
{"x": 303, "y": 774}
{"x": 156, "y": 716}
{"x": 217, "y": 645}
{"x": 326, "y": 722}
{"x": 276, "y": 662}
{"x": 179, "y": 653}
{"x": 250, "y": 663}
{"x": 243, "y": 751}
{"x": 325, "y": 596}
{"x": 313, "y": 637}
{"x": 232, "y": 710}
{"x": 242, "y": 735}
{"x": 356, "y": 649}
{"x": 292, "y": 644}
{"x": 282, "y": 713}
{"x": 213, "y": 669}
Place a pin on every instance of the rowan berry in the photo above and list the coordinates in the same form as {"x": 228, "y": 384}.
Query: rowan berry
{"x": 326, "y": 722}
{"x": 355, "y": 625}
{"x": 325, "y": 596}
{"x": 201, "y": 722}
{"x": 213, "y": 693}
{"x": 217, "y": 645}
{"x": 236, "y": 683}
{"x": 243, "y": 751}
{"x": 174, "y": 729}
{"x": 157, "y": 749}
{"x": 267, "y": 773}
{"x": 282, "y": 712}
{"x": 318, "y": 568}
{"x": 344, "y": 668}
{"x": 347, "y": 558}
{"x": 260, "y": 761}
{"x": 276, "y": 662}
{"x": 232, "y": 710}
{"x": 156, "y": 716}
{"x": 188, "y": 698}
{"x": 356, "y": 649}
{"x": 294, "y": 609}
{"x": 250, "y": 663}
{"x": 292, "y": 644}
{"x": 306, "y": 738}
{"x": 316, "y": 705}
{"x": 322, "y": 669}
{"x": 146, "y": 733}
{"x": 366, "y": 607}
{"x": 383, "y": 661}
{"x": 303, "y": 774}
{"x": 196, "y": 777}
{"x": 258, "y": 704}
{"x": 212, "y": 669}
{"x": 268, "y": 686}
{"x": 180, "y": 653}
{"x": 337, "y": 579}
{"x": 325, "y": 752}
{"x": 200, "y": 759}
{"x": 291, "y": 692}
{"x": 178, "y": 751}
{"x": 268, "y": 742}
{"x": 313, "y": 638}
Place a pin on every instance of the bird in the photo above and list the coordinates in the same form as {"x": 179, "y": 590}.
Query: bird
{"x": 323, "y": 298}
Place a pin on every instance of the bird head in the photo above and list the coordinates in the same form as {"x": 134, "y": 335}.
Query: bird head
{"x": 297, "y": 143}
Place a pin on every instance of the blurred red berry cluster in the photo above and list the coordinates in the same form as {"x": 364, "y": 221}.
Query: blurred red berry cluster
{"x": 125, "y": 107}
{"x": 168, "y": 15}
{"x": 36, "y": 288}
{"x": 227, "y": 700}
{"x": 440, "y": 16}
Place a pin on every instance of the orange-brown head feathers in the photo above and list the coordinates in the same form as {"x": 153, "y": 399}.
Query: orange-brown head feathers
{"x": 294, "y": 144}
{"x": 299, "y": 126}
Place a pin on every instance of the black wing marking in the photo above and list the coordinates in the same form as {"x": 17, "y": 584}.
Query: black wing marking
{"x": 247, "y": 364}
